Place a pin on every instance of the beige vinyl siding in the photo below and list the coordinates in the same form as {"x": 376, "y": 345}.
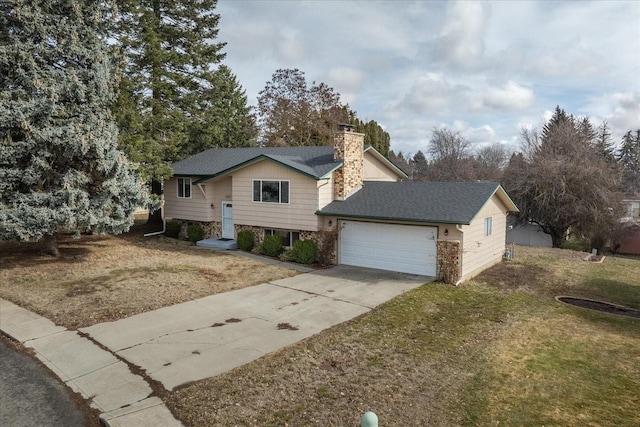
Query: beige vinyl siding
{"x": 298, "y": 214}
{"x": 479, "y": 251}
{"x": 375, "y": 170}
{"x": 222, "y": 191}
{"x": 196, "y": 208}
{"x": 325, "y": 192}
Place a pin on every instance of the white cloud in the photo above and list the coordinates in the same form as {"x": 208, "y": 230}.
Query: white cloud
{"x": 510, "y": 96}
{"x": 461, "y": 38}
{"x": 412, "y": 65}
{"x": 347, "y": 81}
{"x": 432, "y": 93}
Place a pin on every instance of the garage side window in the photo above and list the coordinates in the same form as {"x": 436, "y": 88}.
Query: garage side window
{"x": 487, "y": 226}
{"x": 184, "y": 188}
{"x": 270, "y": 191}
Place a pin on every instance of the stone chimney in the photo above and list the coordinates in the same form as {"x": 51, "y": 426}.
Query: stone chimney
{"x": 348, "y": 146}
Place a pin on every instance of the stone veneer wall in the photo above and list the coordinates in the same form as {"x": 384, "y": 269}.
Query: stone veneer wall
{"x": 258, "y": 232}
{"x": 211, "y": 229}
{"x": 349, "y": 147}
{"x": 326, "y": 244}
{"x": 320, "y": 238}
{"x": 449, "y": 261}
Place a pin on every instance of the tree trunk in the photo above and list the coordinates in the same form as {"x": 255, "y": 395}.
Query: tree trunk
{"x": 155, "y": 217}
{"x": 557, "y": 239}
{"x": 50, "y": 245}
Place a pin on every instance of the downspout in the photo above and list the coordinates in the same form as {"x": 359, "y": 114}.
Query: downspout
{"x": 459, "y": 228}
{"x": 164, "y": 221}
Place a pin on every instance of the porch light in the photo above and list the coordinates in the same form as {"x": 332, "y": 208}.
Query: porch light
{"x": 446, "y": 231}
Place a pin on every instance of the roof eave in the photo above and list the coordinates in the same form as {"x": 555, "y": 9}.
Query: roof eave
{"x": 504, "y": 198}
{"x": 249, "y": 162}
{"x": 382, "y": 158}
{"x": 392, "y": 219}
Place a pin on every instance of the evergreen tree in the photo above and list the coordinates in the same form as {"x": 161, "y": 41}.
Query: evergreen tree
{"x": 604, "y": 144}
{"x": 629, "y": 159}
{"x": 228, "y": 121}
{"x": 374, "y": 135}
{"x": 170, "y": 53}
{"x": 60, "y": 169}
{"x": 401, "y": 161}
{"x": 420, "y": 167}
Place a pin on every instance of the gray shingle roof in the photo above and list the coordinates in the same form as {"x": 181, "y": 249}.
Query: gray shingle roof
{"x": 315, "y": 162}
{"x": 439, "y": 202}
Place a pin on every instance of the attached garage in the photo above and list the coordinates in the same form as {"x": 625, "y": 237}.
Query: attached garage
{"x": 394, "y": 247}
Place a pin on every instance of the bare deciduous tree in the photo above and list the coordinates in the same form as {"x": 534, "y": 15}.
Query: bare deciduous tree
{"x": 295, "y": 114}
{"x": 491, "y": 161}
{"x": 563, "y": 182}
{"x": 451, "y": 158}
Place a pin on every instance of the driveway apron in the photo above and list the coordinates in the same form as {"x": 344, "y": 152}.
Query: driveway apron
{"x": 209, "y": 336}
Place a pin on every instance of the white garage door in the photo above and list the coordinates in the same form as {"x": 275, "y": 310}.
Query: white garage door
{"x": 405, "y": 248}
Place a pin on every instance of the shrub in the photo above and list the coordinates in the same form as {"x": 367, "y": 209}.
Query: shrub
{"x": 245, "y": 240}
{"x": 172, "y": 229}
{"x": 195, "y": 232}
{"x": 272, "y": 246}
{"x": 304, "y": 251}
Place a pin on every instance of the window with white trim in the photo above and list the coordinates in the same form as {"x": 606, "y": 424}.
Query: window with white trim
{"x": 184, "y": 188}
{"x": 288, "y": 236}
{"x": 270, "y": 191}
{"x": 487, "y": 226}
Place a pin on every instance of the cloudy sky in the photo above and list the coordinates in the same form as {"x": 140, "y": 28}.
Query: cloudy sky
{"x": 483, "y": 68}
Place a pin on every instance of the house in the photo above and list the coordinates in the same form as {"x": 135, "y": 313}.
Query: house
{"x": 631, "y": 244}
{"x": 449, "y": 230}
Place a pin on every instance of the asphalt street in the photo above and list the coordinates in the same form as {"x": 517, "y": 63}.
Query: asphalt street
{"x": 29, "y": 396}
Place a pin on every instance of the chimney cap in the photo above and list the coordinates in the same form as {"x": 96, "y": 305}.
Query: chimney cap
{"x": 345, "y": 127}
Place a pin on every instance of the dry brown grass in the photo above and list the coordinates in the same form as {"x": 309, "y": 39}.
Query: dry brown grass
{"x": 498, "y": 350}
{"x": 104, "y": 278}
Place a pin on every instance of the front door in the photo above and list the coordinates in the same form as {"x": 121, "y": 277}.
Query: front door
{"x": 227, "y": 220}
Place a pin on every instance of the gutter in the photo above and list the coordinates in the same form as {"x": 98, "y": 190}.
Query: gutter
{"x": 459, "y": 228}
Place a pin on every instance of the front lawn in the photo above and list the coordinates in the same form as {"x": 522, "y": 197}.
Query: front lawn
{"x": 103, "y": 278}
{"x": 499, "y": 350}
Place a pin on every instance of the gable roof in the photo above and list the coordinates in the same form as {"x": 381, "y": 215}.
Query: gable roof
{"x": 315, "y": 162}
{"x": 416, "y": 201}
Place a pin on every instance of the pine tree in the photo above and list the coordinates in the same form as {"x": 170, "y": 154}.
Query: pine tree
{"x": 629, "y": 159}
{"x": 169, "y": 69}
{"x": 60, "y": 169}
{"x": 228, "y": 120}
{"x": 374, "y": 135}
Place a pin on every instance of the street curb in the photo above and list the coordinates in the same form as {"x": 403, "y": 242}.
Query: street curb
{"x": 123, "y": 398}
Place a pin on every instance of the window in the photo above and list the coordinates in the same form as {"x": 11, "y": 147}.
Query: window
{"x": 270, "y": 191}
{"x": 184, "y": 188}
{"x": 635, "y": 209}
{"x": 288, "y": 237}
{"x": 487, "y": 226}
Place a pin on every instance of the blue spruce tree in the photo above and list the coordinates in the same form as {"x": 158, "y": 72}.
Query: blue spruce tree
{"x": 60, "y": 167}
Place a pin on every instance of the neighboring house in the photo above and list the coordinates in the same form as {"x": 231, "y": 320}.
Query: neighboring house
{"x": 449, "y": 230}
{"x": 631, "y": 245}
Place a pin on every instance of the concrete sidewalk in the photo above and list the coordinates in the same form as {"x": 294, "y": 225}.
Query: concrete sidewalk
{"x": 197, "y": 339}
{"x": 208, "y": 336}
{"x": 124, "y": 399}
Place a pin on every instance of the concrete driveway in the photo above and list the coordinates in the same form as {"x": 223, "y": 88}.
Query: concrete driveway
{"x": 208, "y": 336}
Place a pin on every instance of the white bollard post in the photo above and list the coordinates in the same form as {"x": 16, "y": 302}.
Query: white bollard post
{"x": 369, "y": 419}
